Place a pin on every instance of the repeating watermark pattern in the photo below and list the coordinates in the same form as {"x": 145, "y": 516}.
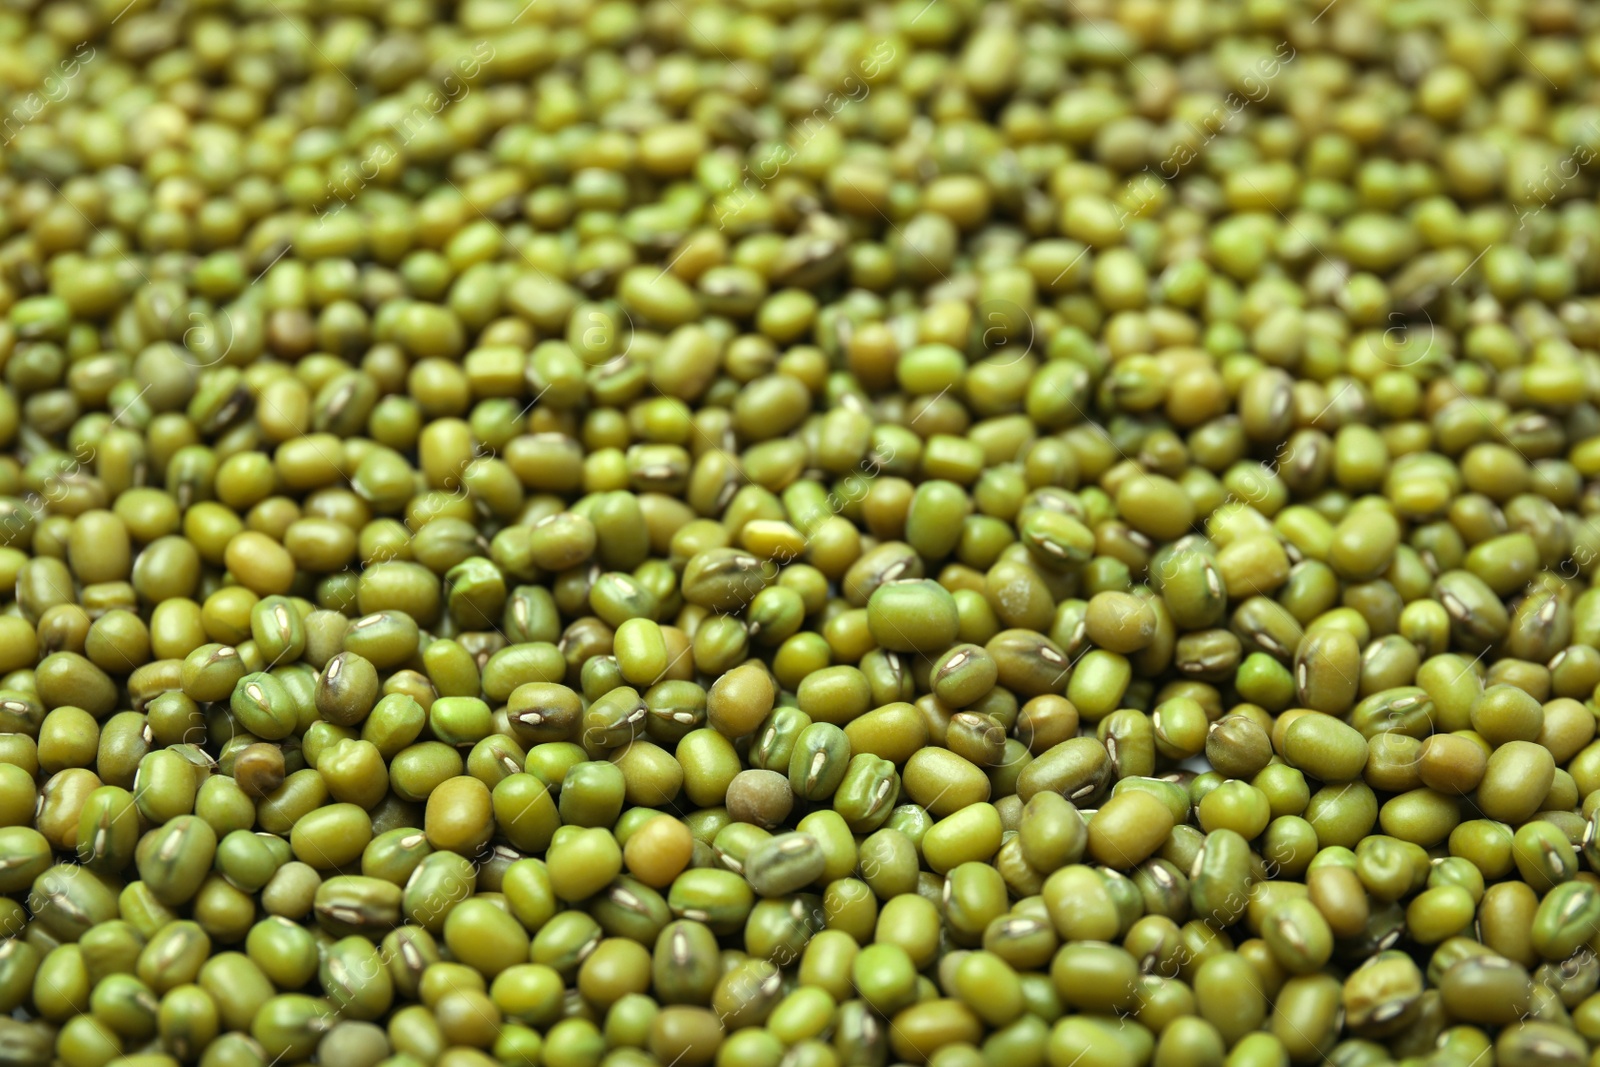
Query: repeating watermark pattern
{"x": 1256, "y": 86}
{"x": 208, "y": 336}
{"x": 1009, "y": 333}
{"x": 756, "y": 176}
{"x": 1554, "y": 975}
{"x": 1409, "y": 339}
{"x": 57, "y": 485}
{"x": 404, "y": 127}
{"x": 1184, "y": 953}
{"x": 1580, "y": 562}
{"x": 1551, "y": 185}
{"x": 56, "y": 87}
{"x": 1145, "y": 187}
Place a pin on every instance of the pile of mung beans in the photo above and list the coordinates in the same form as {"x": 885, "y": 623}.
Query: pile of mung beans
{"x": 761, "y": 533}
